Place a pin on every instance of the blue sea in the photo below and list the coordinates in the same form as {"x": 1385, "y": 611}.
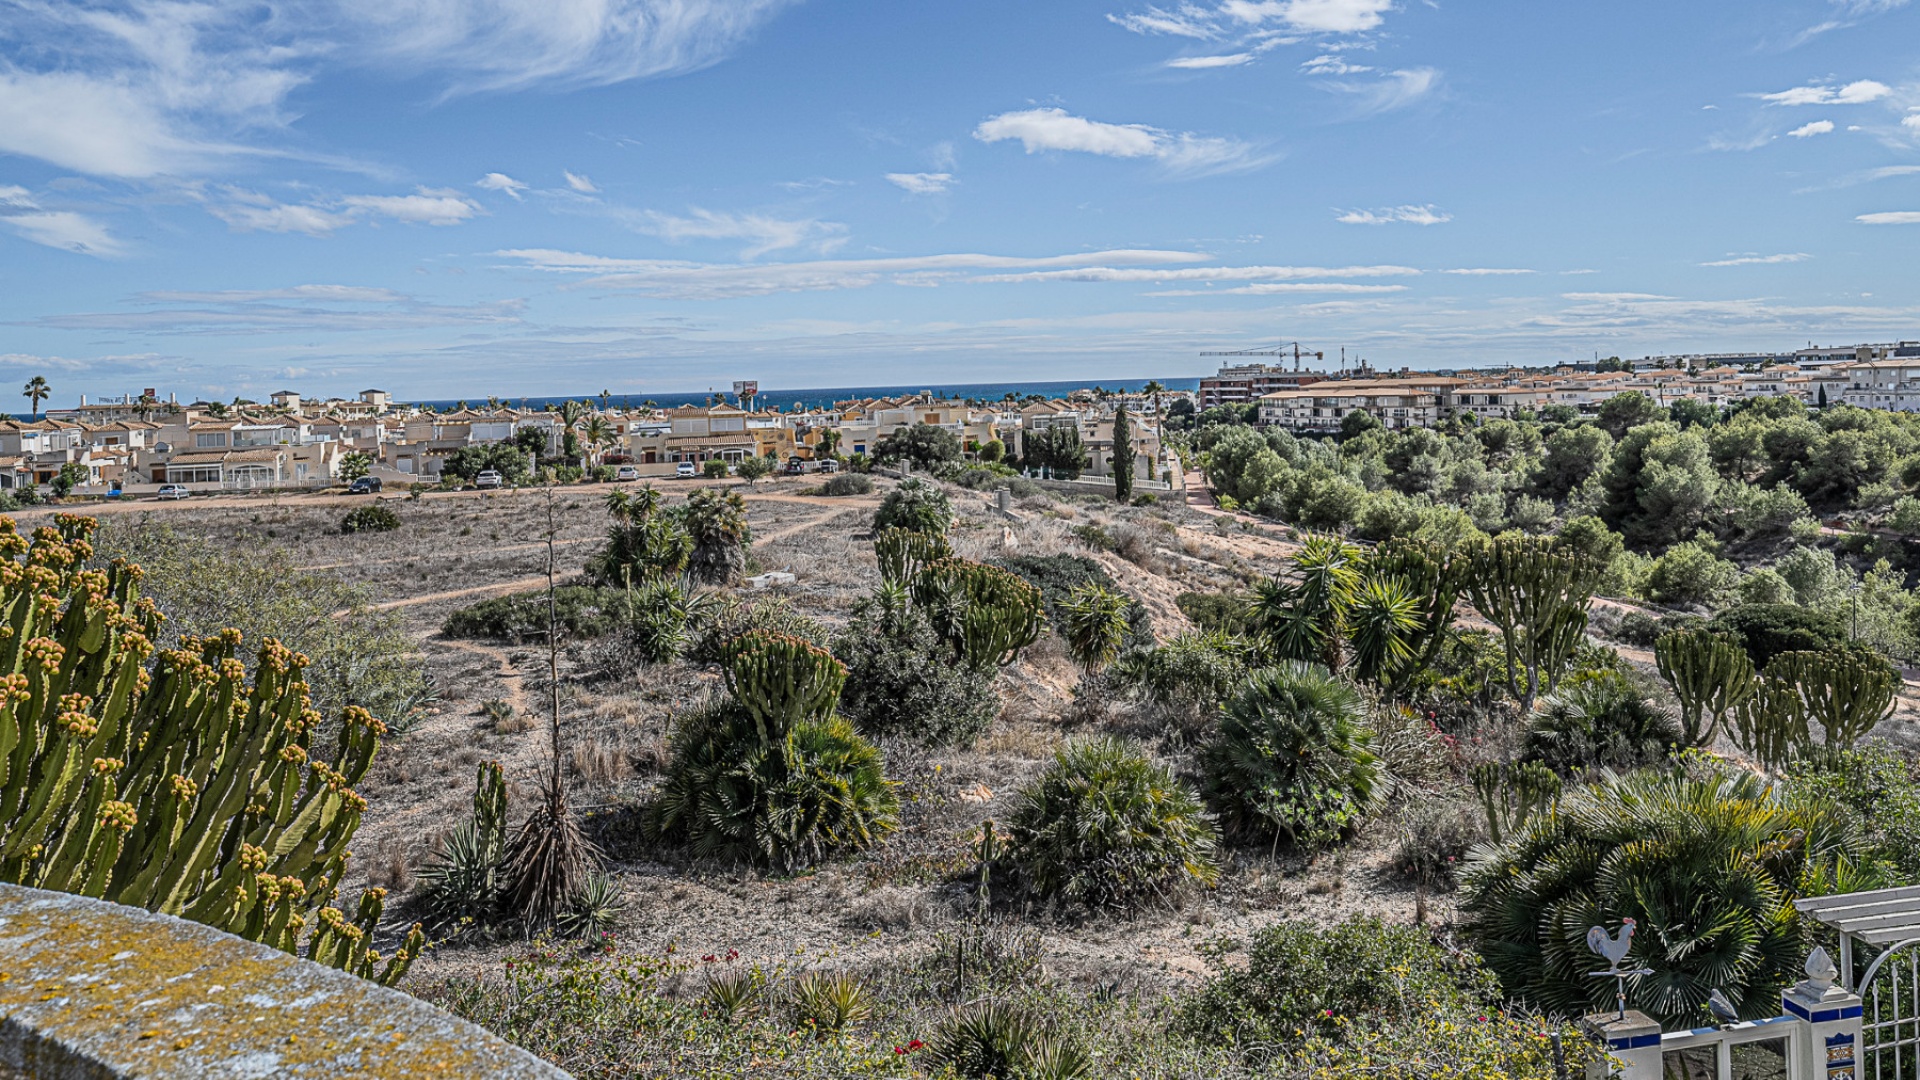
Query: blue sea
{"x": 826, "y": 396}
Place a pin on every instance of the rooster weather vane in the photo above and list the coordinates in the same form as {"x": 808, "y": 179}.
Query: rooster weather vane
{"x": 1614, "y": 947}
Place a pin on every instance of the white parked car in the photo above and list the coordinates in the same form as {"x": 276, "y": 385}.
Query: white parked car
{"x": 626, "y": 472}
{"x": 685, "y": 470}
{"x": 488, "y": 478}
{"x": 172, "y": 491}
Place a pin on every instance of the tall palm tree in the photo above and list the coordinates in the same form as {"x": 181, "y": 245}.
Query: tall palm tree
{"x": 571, "y": 413}
{"x": 37, "y": 391}
{"x": 598, "y": 432}
{"x": 1153, "y": 390}
{"x": 606, "y": 396}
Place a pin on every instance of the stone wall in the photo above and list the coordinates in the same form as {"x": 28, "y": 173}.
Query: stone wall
{"x": 90, "y": 989}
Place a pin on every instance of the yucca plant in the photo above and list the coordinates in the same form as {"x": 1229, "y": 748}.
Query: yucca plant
{"x": 985, "y": 1039}
{"x": 657, "y": 619}
{"x": 733, "y": 994}
{"x": 1707, "y": 865}
{"x": 460, "y": 887}
{"x": 1304, "y": 619}
{"x": 595, "y": 909}
{"x": 1104, "y": 827}
{"x": 1293, "y": 762}
{"x": 830, "y": 1002}
{"x": 643, "y": 544}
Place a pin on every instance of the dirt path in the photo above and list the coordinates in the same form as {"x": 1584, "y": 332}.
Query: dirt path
{"x": 493, "y": 551}
{"x": 513, "y": 682}
{"x": 795, "y": 530}
{"x": 521, "y": 585}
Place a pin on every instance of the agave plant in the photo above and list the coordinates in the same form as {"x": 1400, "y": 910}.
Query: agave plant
{"x": 1707, "y": 866}
{"x": 1293, "y": 761}
{"x": 829, "y": 1003}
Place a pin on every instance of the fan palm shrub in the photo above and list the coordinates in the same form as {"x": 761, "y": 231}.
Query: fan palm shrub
{"x": 1708, "y": 866}
{"x": 1602, "y": 721}
{"x": 1094, "y": 626}
{"x": 1293, "y": 761}
{"x": 1104, "y": 827}
{"x": 771, "y": 774}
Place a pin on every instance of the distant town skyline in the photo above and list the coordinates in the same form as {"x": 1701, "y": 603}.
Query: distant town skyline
{"x": 232, "y": 198}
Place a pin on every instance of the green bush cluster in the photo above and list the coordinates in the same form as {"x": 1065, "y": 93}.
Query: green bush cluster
{"x": 362, "y": 519}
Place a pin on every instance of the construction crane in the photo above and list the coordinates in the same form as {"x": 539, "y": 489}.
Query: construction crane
{"x": 1275, "y": 350}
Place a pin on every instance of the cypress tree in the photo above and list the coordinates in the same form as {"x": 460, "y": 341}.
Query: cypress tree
{"x": 1122, "y": 456}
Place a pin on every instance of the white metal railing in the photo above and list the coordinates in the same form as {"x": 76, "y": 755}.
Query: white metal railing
{"x": 1754, "y": 1050}
{"x": 1890, "y": 1014}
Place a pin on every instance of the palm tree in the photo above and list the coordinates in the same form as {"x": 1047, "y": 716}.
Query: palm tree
{"x": 606, "y": 396}
{"x": 571, "y": 413}
{"x": 1153, "y": 390}
{"x": 37, "y": 391}
{"x": 598, "y": 432}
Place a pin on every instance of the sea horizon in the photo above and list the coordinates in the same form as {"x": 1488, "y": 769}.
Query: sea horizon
{"x": 820, "y": 397}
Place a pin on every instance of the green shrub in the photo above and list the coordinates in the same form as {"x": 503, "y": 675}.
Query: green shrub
{"x": 1767, "y": 630}
{"x": 715, "y": 469}
{"x": 1214, "y": 611}
{"x": 1878, "y": 789}
{"x": 580, "y": 610}
{"x": 644, "y": 542}
{"x": 714, "y": 627}
{"x": 603, "y": 474}
{"x": 785, "y": 802}
{"x": 1056, "y": 576}
{"x": 901, "y": 678}
{"x": 654, "y": 630}
{"x": 1602, "y": 722}
{"x": 1688, "y": 574}
{"x": 717, "y": 521}
{"x": 1302, "y": 978}
{"x": 1188, "y": 678}
{"x": 1104, "y": 827}
{"x": 1435, "y": 837}
{"x": 1707, "y": 865}
{"x": 848, "y": 483}
{"x": 986, "y": 1040}
{"x": 369, "y": 519}
{"x": 918, "y": 505}
{"x": 1293, "y": 761}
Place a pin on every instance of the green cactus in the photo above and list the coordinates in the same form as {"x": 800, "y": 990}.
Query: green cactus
{"x": 1843, "y": 692}
{"x": 904, "y": 552}
{"x": 781, "y": 680}
{"x": 1537, "y": 597}
{"x": 1434, "y": 579}
{"x": 178, "y": 788}
{"x": 985, "y": 614}
{"x": 1709, "y": 675}
{"x": 1511, "y": 794}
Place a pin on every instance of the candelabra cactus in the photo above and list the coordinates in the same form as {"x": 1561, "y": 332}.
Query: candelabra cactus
{"x": 904, "y": 552}
{"x": 1709, "y": 675}
{"x": 986, "y": 614}
{"x": 180, "y": 787}
{"x": 1434, "y": 579}
{"x": 1511, "y": 794}
{"x": 781, "y": 680}
{"x": 1537, "y": 597}
{"x": 1844, "y": 693}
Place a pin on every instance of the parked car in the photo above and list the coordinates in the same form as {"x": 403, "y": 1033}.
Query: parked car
{"x": 796, "y": 467}
{"x": 365, "y": 485}
{"x": 829, "y": 466}
{"x": 488, "y": 478}
{"x": 172, "y": 491}
{"x": 685, "y": 470}
{"x": 626, "y": 472}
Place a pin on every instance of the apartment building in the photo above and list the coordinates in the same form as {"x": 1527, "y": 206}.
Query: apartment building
{"x": 1396, "y": 403}
{"x": 1243, "y": 383}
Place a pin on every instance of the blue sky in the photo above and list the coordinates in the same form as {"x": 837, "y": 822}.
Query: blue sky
{"x": 453, "y": 198}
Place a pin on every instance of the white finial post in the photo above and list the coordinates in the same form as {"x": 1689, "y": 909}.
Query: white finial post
{"x": 1832, "y": 1015}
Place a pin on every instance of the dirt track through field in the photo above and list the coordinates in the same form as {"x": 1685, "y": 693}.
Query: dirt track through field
{"x": 514, "y": 682}
{"x": 521, "y": 585}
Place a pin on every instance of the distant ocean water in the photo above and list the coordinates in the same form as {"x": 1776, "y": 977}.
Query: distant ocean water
{"x": 826, "y": 396}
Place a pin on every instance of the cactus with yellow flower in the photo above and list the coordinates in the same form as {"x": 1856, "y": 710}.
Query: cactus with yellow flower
{"x": 166, "y": 779}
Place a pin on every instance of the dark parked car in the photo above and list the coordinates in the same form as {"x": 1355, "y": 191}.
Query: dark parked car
{"x": 366, "y": 485}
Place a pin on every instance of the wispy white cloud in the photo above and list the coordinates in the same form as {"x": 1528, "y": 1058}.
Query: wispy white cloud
{"x": 1311, "y": 16}
{"x": 1281, "y": 288}
{"x": 1911, "y": 120}
{"x": 1200, "y": 273}
{"x": 1853, "y": 93}
{"x": 580, "y": 183}
{"x": 252, "y": 211}
{"x": 1488, "y": 271}
{"x": 1891, "y": 217}
{"x": 1395, "y": 90}
{"x": 144, "y": 88}
{"x": 502, "y": 183}
{"x": 1204, "y": 63}
{"x": 1426, "y": 214}
{"x": 1183, "y": 153}
{"x": 763, "y": 232}
{"x": 921, "y": 183}
{"x": 316, "y": 308}
{"x": 1751, "y": 259}
{"x": 1188, "y": 21}
{"x": 66, "y": 230}
{"x": 717, "y": 281}
{"x": 1333, "y": 64}
{"x": 1817, "y": 127}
